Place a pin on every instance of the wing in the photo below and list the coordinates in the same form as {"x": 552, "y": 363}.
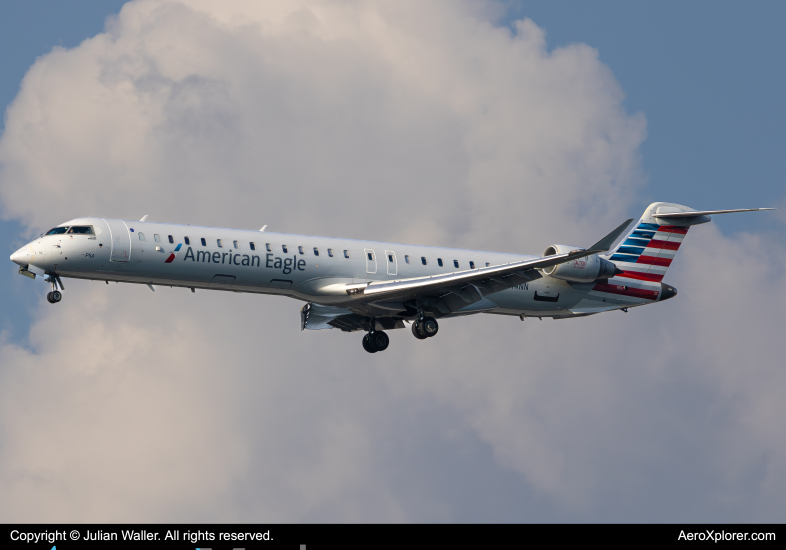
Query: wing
{"x": 454, "y": 291}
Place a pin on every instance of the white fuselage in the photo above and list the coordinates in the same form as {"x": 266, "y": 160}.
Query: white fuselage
{"x": 313, "y": 269}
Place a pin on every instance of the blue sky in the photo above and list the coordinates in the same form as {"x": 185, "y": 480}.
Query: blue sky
{"x": 707, "y": 76}
{"x": 29, "y": 30}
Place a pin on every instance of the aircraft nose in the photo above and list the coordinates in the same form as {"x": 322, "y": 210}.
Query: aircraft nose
{"x": 21, "y": 256}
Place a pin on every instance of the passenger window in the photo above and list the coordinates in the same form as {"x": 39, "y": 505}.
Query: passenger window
{"x": 188, "y": 241}
{"x": 81, "y": 230}
{"x": 253, "y": 246}
{"x": 156, "y": 237}
{"x": 406, "y": 258}
{"x": 346, "y": 253}
{"x": 268, "y": 247}
{"x": 472, "y": 265}
{"x": 235, "y": 243}
{"x": 57, "y": 231}
{"x": 487, "y": 264}
{"x": 330, "y": 252}
{"x": 439, "y": 261}
{"x": 284, "y": 248}
{"x": 141, "y": 236}
{"x": 171, "y": 240}
{"x": 316, "y": 251}
{"x": 218, "y": 242}
{"x": 455, "y": 263}
{"x": 204, "y": 242}
{"x": 300, "y": 249}
{"x": 423, "y": 259}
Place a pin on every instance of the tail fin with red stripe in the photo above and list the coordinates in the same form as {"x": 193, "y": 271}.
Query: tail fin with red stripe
{"x": 649, "y": 248}
{"x": 646, "y": 252}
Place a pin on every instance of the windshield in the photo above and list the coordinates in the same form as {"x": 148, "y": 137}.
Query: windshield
{"x": 81, "y": 229}
{"x": 57, "y": 231}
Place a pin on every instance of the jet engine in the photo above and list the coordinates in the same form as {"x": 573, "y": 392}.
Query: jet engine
{"x": 580, "y": 270}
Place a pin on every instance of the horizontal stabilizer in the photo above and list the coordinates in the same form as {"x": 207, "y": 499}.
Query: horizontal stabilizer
{"x": 706, "y": 213}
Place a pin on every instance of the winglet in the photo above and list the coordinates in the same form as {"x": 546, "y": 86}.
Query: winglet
{"x": 143, "y": 218}
{"x": 605, "y": 243}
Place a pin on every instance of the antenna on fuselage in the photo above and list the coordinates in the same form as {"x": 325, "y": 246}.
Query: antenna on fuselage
{"x": 263, "y": 227}
{"x": 143, "y": 218}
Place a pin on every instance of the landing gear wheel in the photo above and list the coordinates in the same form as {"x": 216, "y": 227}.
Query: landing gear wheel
{"x": 416, "y": 332}
{"x": 49, "y": 297}
{"x": 56, "y": 296}
{"x": 380, "y": 340}
{"x": 429, "y": 326}
{"x": 367, "y": 345}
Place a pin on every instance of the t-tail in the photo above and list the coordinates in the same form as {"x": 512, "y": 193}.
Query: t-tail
{"x": 649, "y": 248}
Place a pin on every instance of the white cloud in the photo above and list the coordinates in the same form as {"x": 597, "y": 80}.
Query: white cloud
{"x": 407, "y": 121}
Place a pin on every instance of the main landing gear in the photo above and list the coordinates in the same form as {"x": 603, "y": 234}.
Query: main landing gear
{"x": 425, "y": 327}
{"x": 375, "y": 341}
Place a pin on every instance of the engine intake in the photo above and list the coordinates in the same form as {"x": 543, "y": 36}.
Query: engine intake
{"x": 580, "y": 270}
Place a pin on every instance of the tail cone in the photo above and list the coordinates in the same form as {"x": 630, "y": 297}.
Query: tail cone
{"x": 667, "y": 291}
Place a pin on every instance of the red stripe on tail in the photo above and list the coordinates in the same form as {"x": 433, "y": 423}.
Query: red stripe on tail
{"x": 673, "y": 229}
{"x": 654, "y": 277}
{"x": 668, "y": 245}
{"x": 664, "y": 262}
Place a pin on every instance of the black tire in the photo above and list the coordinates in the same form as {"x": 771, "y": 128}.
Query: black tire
{"x": 367, "y": 345}
{"x": 380, "y": 340}
{"x": 49, "y": 297}
{"x": 429, "y": 327}
{"x": 416, "y": 331}
{"x": 56, "y": 296}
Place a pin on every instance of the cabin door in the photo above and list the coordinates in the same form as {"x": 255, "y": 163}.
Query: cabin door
{"x": 371, "y": 260}
{"x": 121, "y": 241}
{"x": 390, "y": 260}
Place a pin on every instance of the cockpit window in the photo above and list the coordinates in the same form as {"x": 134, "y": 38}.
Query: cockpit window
{"x": 57, "y": 231}
{"x": 81, "y": 230}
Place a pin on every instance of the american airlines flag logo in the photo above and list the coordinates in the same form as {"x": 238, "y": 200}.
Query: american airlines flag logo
{"x": 644, "y": 258}
{"x": 173, "y": 254}
{"x": 648, "y": 251}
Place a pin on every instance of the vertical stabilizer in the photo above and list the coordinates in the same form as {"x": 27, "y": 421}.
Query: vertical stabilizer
{"x": 647, "y": 251}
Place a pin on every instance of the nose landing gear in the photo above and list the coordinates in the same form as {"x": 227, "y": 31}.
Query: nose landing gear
{"x": 55, "y": 295}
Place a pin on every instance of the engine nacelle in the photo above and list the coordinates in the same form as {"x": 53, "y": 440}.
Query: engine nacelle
{"x": 580, "y": 270}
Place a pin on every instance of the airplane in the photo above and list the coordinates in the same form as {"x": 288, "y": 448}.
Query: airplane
{"x": 355, "y": 285}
